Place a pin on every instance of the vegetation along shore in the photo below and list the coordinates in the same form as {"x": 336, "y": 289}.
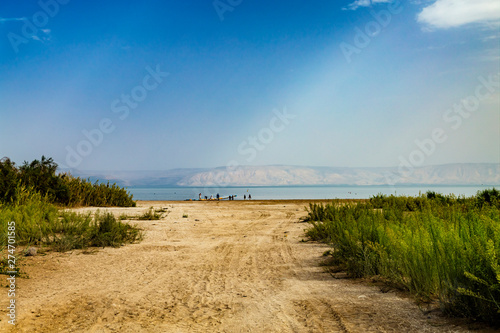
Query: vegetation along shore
{"x": 438, "y": 248}
{"x": 35, "y": 198}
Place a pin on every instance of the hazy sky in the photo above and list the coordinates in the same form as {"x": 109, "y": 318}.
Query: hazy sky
{"x": 151, "y": 85}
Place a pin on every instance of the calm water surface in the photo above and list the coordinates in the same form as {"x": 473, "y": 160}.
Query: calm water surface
{"x": 297, "y": 192}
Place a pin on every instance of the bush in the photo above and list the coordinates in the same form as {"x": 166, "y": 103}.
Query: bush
{"x": 490, "y": 197}
{"x": 107, "y": 231}
{"x": 9, "y": 179}
{"x": 39, "y": 223}
{"x": 62, "y": 189}
{"x": 82, "y": 192}
{"x": 150, "y": 214}
{"x": 436, "y": 247}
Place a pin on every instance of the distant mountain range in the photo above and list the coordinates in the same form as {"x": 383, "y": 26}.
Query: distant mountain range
{"x": 285, "y": 175}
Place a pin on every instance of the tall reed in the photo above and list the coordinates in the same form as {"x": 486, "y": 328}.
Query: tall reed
{"x": 437, "y": 247}
{"x": 38, "y": 222}
{"x": 62, "y": 189}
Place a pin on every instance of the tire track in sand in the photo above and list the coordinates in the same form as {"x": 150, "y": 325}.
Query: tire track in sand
{"x": 229, "y": 267}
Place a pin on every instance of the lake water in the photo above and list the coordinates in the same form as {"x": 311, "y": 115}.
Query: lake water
{"x": 298, "y": 192}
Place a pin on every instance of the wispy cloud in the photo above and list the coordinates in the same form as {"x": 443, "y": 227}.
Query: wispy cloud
{"x": 444, "y": 14}
{"x": 491, "y": 37}
{"x": 10, "y": 19}
{"x": 364, "y": 3}
{"x": 43, "y": 36}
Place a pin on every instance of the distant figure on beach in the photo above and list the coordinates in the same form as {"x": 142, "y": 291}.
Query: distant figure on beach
{"x": 199, "y": 195}
{"x": 206, "y": 197}
{"x": 211, "y": 197}
{"x": 218, "y": 196}
{"x": 244, "y": 196}
{"x": 249, "y": 197}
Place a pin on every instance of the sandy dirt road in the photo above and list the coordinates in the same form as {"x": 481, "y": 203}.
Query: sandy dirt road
{"x": 228, "y": 267}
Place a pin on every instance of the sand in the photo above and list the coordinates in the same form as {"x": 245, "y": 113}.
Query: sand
{"x": 228, "y": 267}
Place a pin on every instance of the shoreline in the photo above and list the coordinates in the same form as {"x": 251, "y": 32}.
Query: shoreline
{"x": 300, "y": 193}
{"x": 256, "y": 201}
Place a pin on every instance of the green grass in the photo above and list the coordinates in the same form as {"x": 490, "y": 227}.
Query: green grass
{"x": 39, "y": 223}
{"x": 150, "y": 214}
{"x": 31, "y": 195}
{"x": 436, "y": 247}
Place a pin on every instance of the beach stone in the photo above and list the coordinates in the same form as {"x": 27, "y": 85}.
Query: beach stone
{"x": 31, "y": 252}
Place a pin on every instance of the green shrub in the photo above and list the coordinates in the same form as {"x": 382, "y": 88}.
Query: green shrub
{"x": 437, "y": 247}
{"x": 150, "y": 214}
{"x": 9, "y": 179}
{"x": 107, "y": 231}
{"x": 39, "y": 223}
{"x": 61, "y": 189}
{"x": 490, "y": 197}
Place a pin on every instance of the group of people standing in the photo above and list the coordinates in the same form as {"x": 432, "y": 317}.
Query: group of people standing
{"x": 217, "y": 197}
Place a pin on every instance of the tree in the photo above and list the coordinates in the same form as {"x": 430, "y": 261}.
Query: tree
{"x": 41, "y": 175}
{"x": 9, "y": 178}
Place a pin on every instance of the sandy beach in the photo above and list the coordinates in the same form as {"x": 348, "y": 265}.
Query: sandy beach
{"x": 238, "y": 266}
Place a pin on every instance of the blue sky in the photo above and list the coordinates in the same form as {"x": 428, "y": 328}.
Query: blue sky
{"x": 323, "y": 83}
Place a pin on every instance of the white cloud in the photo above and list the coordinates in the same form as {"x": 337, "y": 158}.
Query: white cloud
{"x": 10, "y": 19}
{"x": 364, "y": 3}
{"x": 43, "y": 36}
{"x": 454, "y": 13}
